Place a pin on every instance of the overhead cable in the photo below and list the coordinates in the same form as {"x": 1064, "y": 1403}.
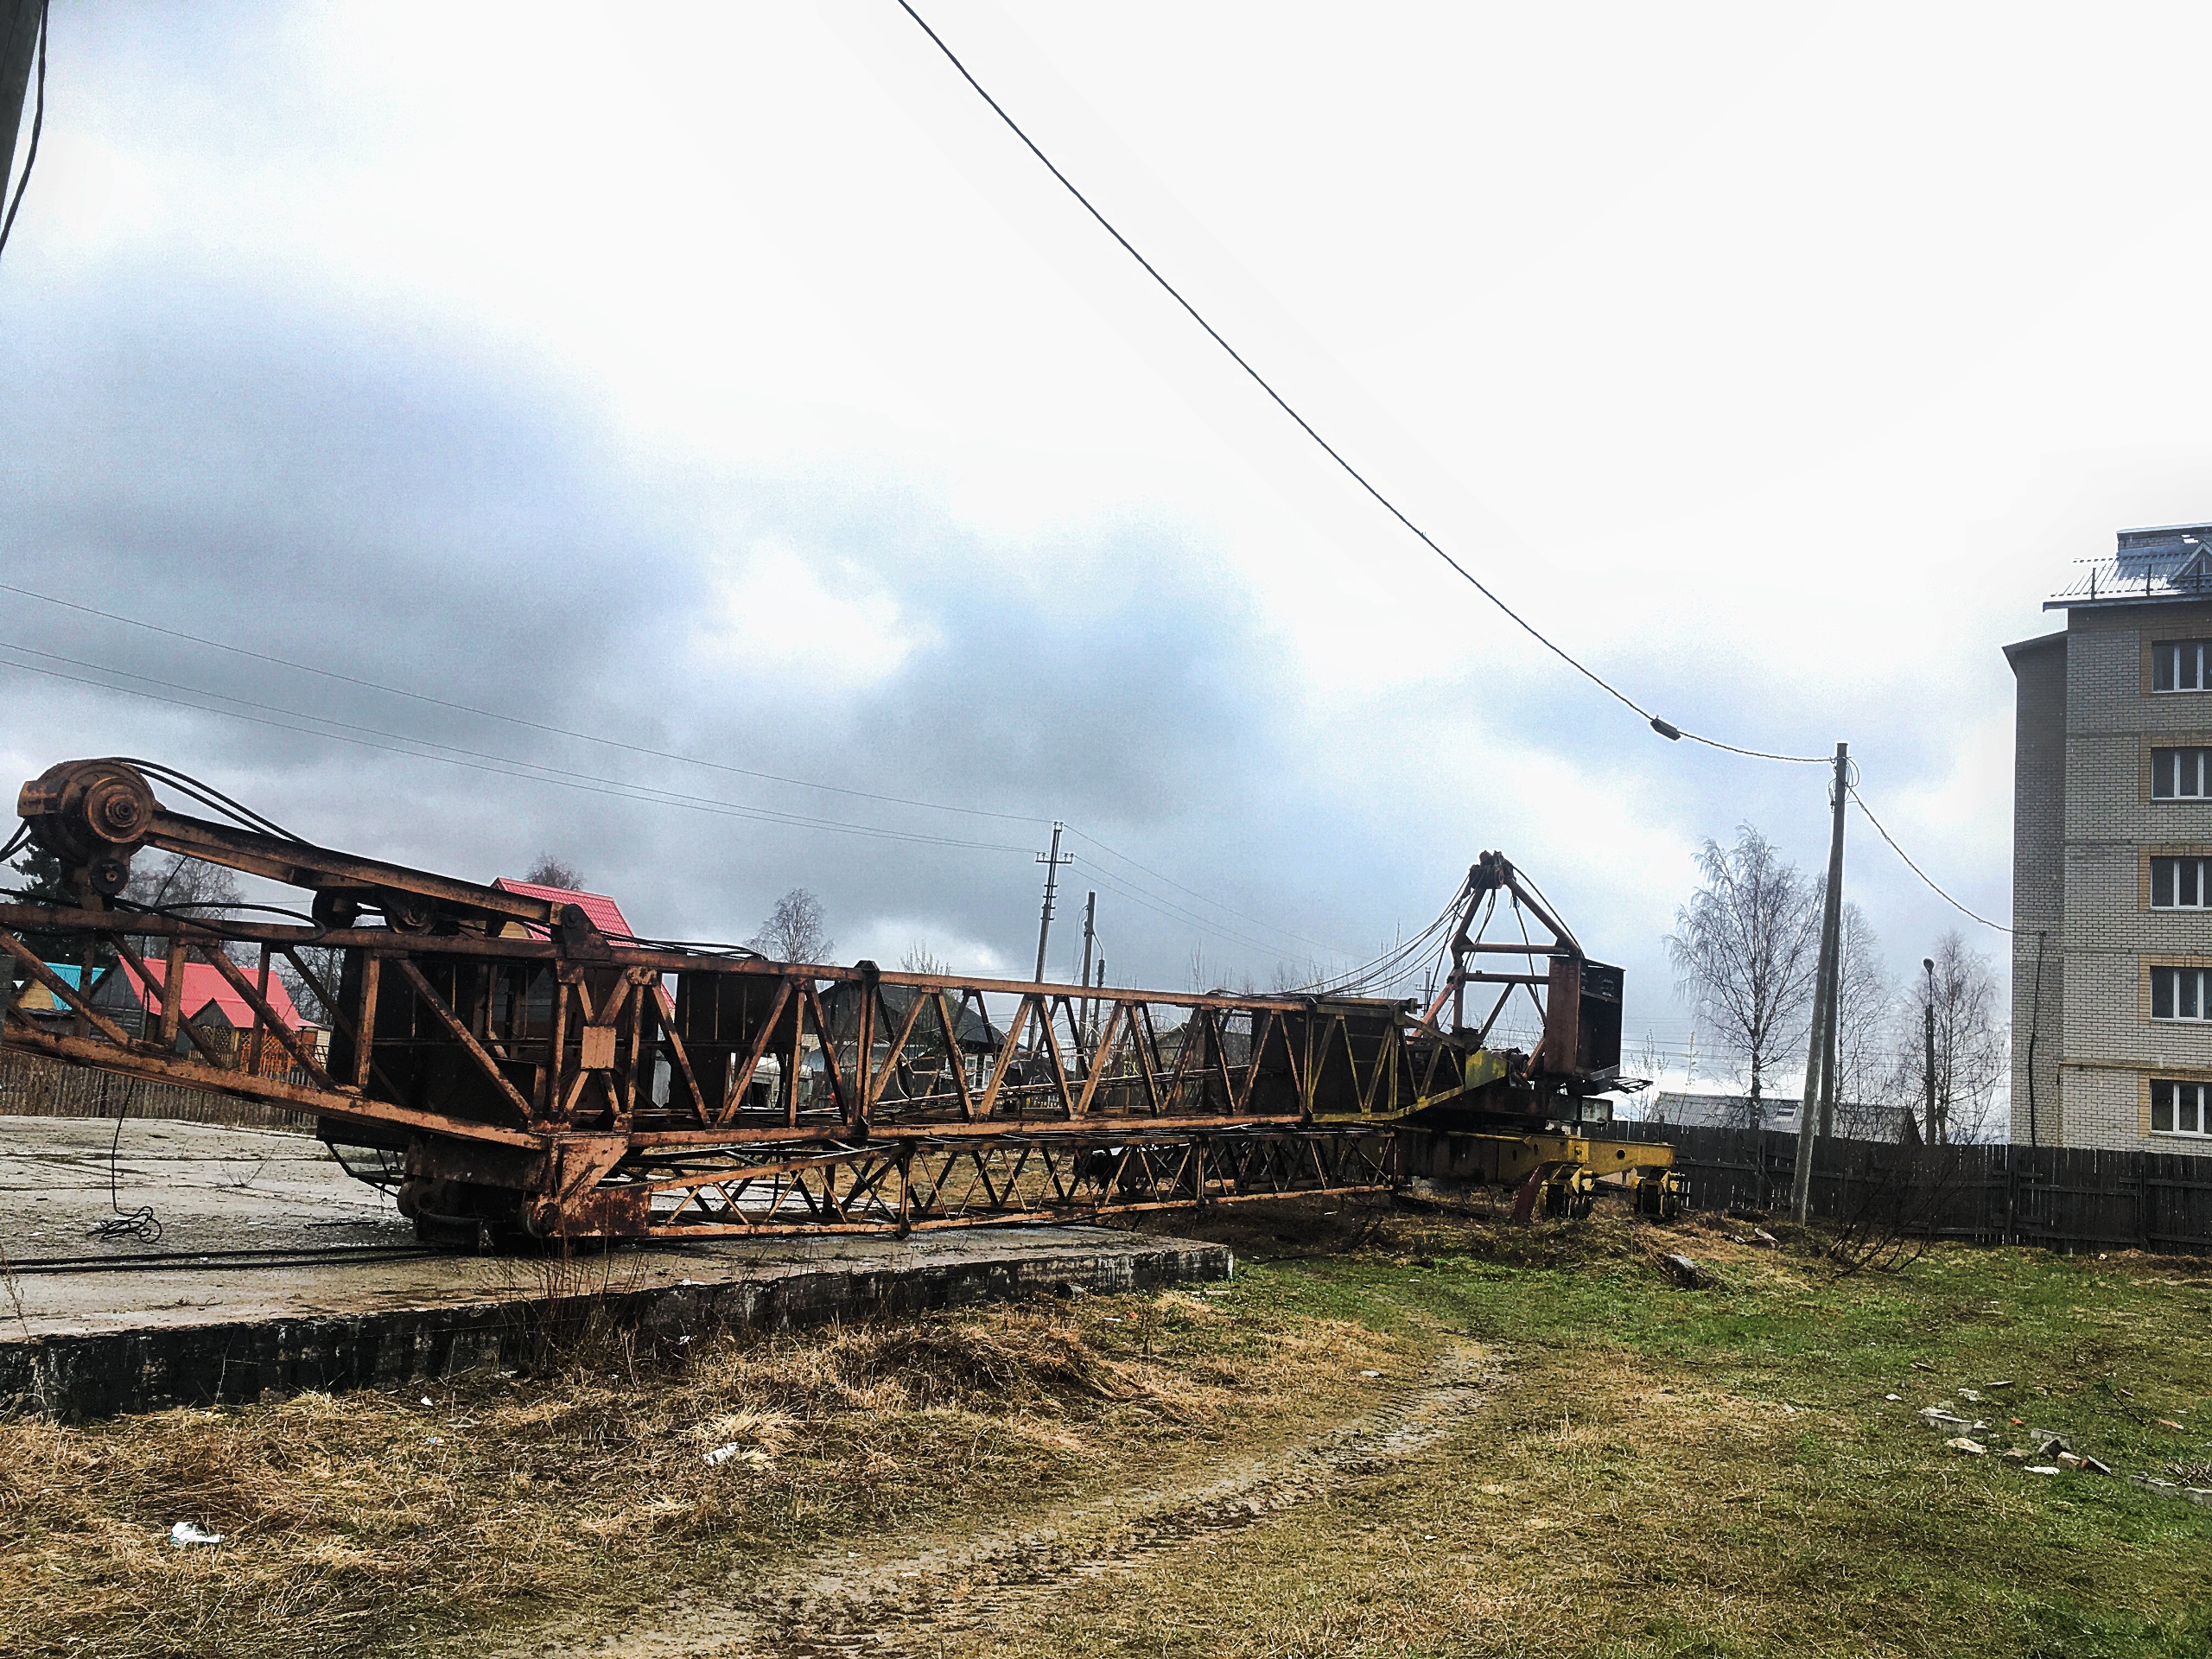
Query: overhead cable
{"x": 1665, "y": 728}
{"x": 512, "y": 720}
{"x": 1917, "y": 870}
{"x": 497, "y": 766}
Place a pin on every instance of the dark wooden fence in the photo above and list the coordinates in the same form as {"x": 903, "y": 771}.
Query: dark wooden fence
{"x": 31, "y": 1085}
{"x": 2060, "y": 1198}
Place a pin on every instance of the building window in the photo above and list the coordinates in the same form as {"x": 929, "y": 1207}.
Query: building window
{"x": 2181, "y": 883}
{"x": 2177, "y": 993}
{"x": 2181, "y": 774}
{"x": 2182, "y": 666}
{"x": 2180, "y": 1109}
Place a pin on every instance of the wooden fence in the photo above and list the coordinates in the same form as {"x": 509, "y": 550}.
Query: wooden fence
{"x": 2066, "y": 1198}
{"x": 32, "y": 1085}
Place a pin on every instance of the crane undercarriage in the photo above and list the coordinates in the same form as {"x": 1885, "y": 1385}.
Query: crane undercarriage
{"x": 511, "y": 1072}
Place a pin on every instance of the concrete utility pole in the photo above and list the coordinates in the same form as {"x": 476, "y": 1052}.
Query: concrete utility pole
{"x": 1819, "y": 1048}
{"x": 19, "y": 26}
{"x": 1051, "y": 861}
{"x": 1928, "y": 964}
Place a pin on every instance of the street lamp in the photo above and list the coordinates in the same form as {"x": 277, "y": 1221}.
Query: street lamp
{"x": 1928, "y": 1014}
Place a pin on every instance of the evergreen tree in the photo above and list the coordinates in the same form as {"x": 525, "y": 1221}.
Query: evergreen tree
{"x": 39, "y": 879}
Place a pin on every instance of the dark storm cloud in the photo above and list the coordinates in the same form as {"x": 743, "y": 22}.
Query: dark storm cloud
{"x": 418, "y": 509}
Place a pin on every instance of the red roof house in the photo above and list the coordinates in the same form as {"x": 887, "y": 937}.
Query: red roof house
{"x": 204, "y": 986}
{"x": 606, "y": 915}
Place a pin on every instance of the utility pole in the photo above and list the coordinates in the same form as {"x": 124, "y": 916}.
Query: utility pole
{"x": 1089, "y": 938}
{"x": 1820, "y": 1048}
{"x": 1051, "y": 861}
{"x": 1928, "y": 1014}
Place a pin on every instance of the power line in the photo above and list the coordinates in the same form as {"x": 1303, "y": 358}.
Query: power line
{"x": 511, "y": 719}
{"x": 1203, "y": 898}
{"x": 768, "y": 814}
{"x": 1916, "y": 868}
{"x": 1664, "y": 727}
{"x": 589, "y": 737}
{"x": 495, "y": 764}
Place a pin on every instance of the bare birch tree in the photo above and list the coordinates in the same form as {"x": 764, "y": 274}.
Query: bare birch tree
{"x": 1744, "y": 949}
{"x": 1865, "y": 1018}
{"x": 1972, "y": 1042}
{"x": 795, "y": 929}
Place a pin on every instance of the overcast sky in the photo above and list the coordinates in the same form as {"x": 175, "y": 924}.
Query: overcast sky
{"x": 727, "y": 381}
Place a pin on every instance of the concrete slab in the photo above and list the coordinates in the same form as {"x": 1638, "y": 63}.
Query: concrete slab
{"x": 90, "y": 1328}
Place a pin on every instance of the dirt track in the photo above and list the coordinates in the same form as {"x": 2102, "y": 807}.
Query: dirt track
{"x": 936, "y": 1600}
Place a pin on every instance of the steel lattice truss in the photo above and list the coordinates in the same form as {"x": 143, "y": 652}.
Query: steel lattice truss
{"x": 507, "y": 1066}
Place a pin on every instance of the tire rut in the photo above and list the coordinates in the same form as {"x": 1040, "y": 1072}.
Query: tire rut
{"x": 906, "y": 1607}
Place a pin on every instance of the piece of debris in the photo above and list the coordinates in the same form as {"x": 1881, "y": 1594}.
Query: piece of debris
{"x": 2095, "y": 1467}
{"x": 187, "y": 1533}
{"x": 428, "y": 1401}
{"x": 1993, "y": 1387}
{"x": 752, "y": 1456}
{"x": 2043, "y": 1469}
{"x": 2016, "y": 1455}
{"x": 1921, "y": 1365}
{"x": 1370, "y": 1373}
{"x": 2052, "y": 1445}
{"x": 2166, "y": 1422}
{"x": 1893, "y": 1399}
{"x": 1685, "y": 1272}
{"x": 2070, "y": 1459}
{"x": 1936, "y": 1417}
{"x": 1970, "y": 1396}
{"x": 1765, "y": 1240}
{"x": 1962, "y": 1443}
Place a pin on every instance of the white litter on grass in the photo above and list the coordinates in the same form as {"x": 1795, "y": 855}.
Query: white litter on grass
{"x": 2046, "y": 1468}
{"x": 434, "y": 1440}
{"x": 428, "y": 1401}
{"x": 1893, "y": 1398}
{"x": 752, "y": 1456}
{"x": 188, "y": 1532}
{"x": 1370, "y": 1373}
{"x": 682, "y": 1282}
{"x": 1962, "y": 1443}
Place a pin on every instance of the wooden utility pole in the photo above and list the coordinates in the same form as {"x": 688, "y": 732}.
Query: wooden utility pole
{"x": 1089, "y": 936}
{"x": 1819, "y": 1048}
{"x": 1051, "y": 861}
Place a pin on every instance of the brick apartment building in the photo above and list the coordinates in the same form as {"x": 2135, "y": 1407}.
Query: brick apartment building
{"x": 2112, "y": 855}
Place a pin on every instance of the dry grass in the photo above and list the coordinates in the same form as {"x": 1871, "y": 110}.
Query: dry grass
{"x": 1661, "y": 1472}
{"x": 371, "y": 1522}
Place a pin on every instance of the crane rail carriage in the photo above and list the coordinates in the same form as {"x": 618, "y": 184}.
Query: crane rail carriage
{"x": 511, "y": 1071}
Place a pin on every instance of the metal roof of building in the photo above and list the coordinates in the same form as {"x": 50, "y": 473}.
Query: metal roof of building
{"x": 606, "y": 915}
{"x": 2159, "y": 563}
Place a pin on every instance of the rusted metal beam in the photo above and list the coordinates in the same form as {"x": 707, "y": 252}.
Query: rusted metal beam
{"x": 265, "y": 1014}
{"x": 460, "y": 1032}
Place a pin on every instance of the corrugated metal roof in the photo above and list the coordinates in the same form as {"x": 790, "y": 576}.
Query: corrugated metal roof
{"x": 2161, "y": 564}
{"x": 606, "y": 915}
{"x": 203, "y": 984}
